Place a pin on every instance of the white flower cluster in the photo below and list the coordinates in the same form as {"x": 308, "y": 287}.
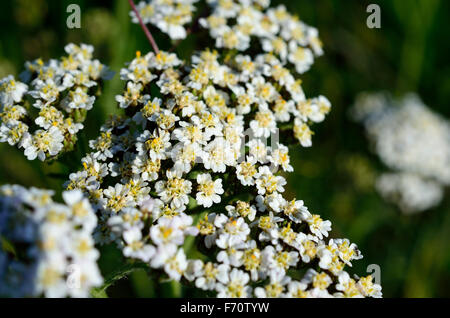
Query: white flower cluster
{"x": 234, "y": 24}
{"x": 154, "y": 175}
{"x": 411, "y": 192}
{"x": 411, "y": 140}
{"x": 50, "y": 245}
{"x": 44, "y": 115}
{"x": 169, "y": 16}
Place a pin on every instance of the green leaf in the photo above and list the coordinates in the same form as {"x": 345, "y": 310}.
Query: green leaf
{"x": 7, "y": 246}
{"x": 111, "y": 279}
{"x": 98, "y": 293}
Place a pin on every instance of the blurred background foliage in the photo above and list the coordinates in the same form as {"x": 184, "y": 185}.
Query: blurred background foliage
{"x": 335, "y": 177}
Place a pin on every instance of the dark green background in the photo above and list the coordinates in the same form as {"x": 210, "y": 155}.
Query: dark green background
{"x": 335, "y": 177}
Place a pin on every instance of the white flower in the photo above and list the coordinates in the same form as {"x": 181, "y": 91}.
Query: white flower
{"x": 164, "y": 60}
{"x": 242, "y": 209}
{"x": 174, "y": 30}
{"x": 82, "y": 247}
{"x": 296, "y": 289}
{"x": 274, "y": 201}
{"x": 56, "y": 239}
{"x": 185, "y": 156}
{"x": 252, "y": 260}
{"x": 155, "y": 145}
{"x": 325, "y": 256}
{"x": 280, "y": 157}
{"x": 264, "y": 124}
{"x": 135, "y": 247}
{"x": 82, "y": 52}
{"x": 282, "y": 109}
{"x": 277, "y": 261}
{"x": 232, "y": 256}
{"x": 368, "y": 288}
{"x": 127, "y": 219}
{"x": 208, "y": 190}
{"x": 90, "y": 277}
{"x": 347, "y": 287}
{"x": 302, "y": 132}
{"x": 131, "y": 97}
{"x": 193, "y": 270}
{"x": 275, "y": 288}
{"x": 411, "y": 140}
{"x": 235, "y": 286}
{"x": 318, "y": 227}
{"x": 42, "y": 143}
{"x": 50, "y": 278}
{"x": 296, "y": 211}
{"x": 276, "y": 45}
{"x": 207, "y": 228}
{"x": 347, "y": 251}
{"x": 12, "y": 132}
{"x": 103, "y": 146}
{"x": 247, "y": 171}
{"x": 117, "y": 197}
{"x": 72, "y": 127}
{"x": 81, "y": 180}
{"x": 270, "y": 227}
{"x": 320, "y": 281}
{"x": 81, "y": 210}
{"x": 191, "y": 132}
{"x": 175, "y": 190}
{"x": 267, "y": 182}
{"x": 264, "y": 92}
{"x": 49, "y": 116}
{"x": 172, "y": 260}
{"x": 245, "y": 100}
{"x": 165, "y": 119}
{"x": 232, "y": 231}
{"x": 410, "y": 192}
{"x": 301, "y": 57}
{"x": 79, "y": 99}
{"x": 167, "y": 231}
{"x": 11, "y": 91}
{"x": 258, "y": 149}
{"x": 217, "y": 155}
{"x": 139, "y": 189}
{"x": 46, "y": 89}
{"x": 232, "y": 39}
{"x": 210, "y": 275}
{"x": 307, "y": 246}
{"x": 147, "y": 168}
{"x": 322, "y": 106}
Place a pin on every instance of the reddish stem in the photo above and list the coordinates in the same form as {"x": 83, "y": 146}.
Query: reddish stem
{"x": 143, "y": 26}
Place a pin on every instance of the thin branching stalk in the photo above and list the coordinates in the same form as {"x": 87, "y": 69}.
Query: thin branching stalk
{"x": 144, "y": 27}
